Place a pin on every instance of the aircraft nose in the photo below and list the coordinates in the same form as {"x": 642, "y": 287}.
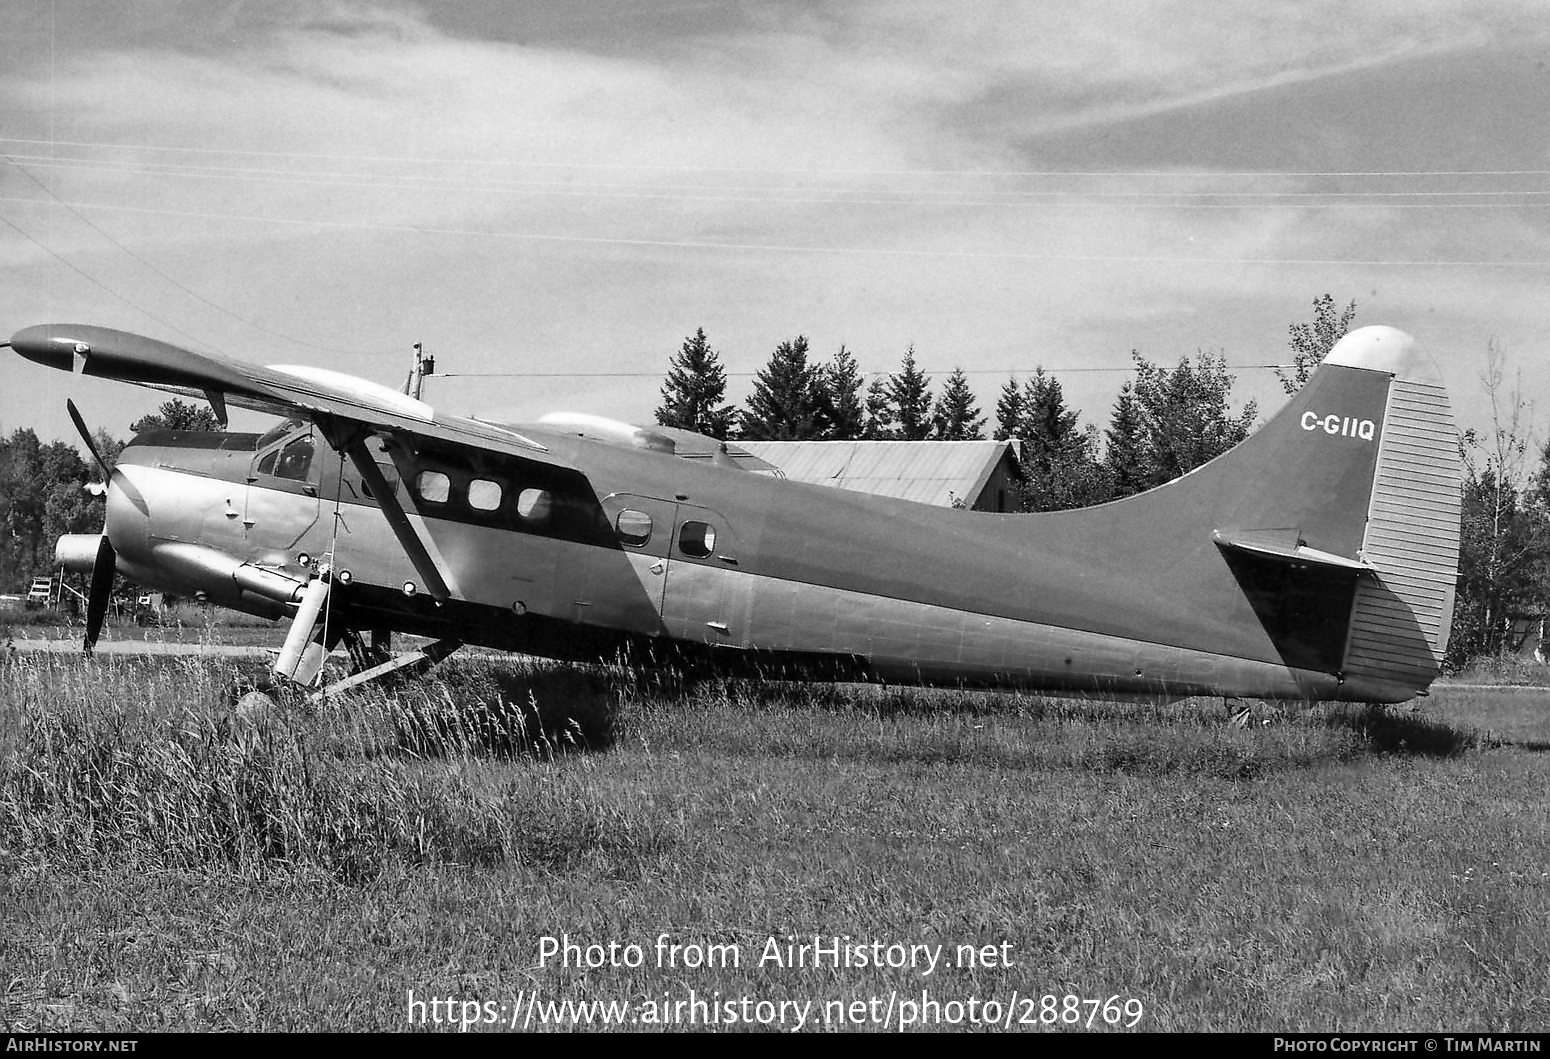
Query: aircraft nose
{"x": 46, "y": 345}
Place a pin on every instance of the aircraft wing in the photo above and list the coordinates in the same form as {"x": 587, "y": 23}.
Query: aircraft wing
{"x": 311, "y": 393}
{"x": 344, "y": 409}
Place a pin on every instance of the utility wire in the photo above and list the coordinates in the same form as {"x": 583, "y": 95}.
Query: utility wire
{"x": 808, "y": 170}
{"x": 96, "y": 282}
{"x": 688, "y": 244}
{"x": 842, "y": 197}
{"x": 192, "y": 294}
{"x": 1165, "y": 200}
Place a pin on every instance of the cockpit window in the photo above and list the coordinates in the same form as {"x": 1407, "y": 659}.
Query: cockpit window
{"x": 276, "y": 432}
{"x": 295, "y": 460}
{"x": 266, "y": 465}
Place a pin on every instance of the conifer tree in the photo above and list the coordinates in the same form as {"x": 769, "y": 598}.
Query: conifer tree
{"x": 693, "y": 392}
{"x": 1059, "y": 458}
{"x": 879, "y": 412}
{"x": 909, "y": 399}
{"x": 1125, "y": 456}
{"x": 1009, "y": 410}
{"x": 785, "y": 404}
{"x": 844, "y": 412}
{"x": 957, "y": 416}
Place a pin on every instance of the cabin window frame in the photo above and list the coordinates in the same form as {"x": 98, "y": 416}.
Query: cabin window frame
{"x": 476, "y": 488}
{"x": 430, "y": 474}
{"x": 700, "y": 546}
{"x": 634, "y": 540}
{"x": 534, "y": 505}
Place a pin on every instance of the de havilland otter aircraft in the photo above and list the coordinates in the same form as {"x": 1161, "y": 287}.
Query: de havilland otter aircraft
{"x": 1315, "y": 561}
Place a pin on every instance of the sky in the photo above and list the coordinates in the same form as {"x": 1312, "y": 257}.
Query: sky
{"x": 552, "y": 196}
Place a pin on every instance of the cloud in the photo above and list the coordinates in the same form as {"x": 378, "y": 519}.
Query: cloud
{"x": 456, "y": 169}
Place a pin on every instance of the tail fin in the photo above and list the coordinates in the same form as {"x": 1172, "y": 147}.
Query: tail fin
{"x": 1367, "y": 520}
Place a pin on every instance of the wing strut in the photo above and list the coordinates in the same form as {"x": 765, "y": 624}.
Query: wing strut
{"x": 353, "y": 445}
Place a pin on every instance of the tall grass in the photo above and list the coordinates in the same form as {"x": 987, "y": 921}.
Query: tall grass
{"x": 172, "y": 861}
{"x": 153, "y": 764}
{"x": 156, "y": 763}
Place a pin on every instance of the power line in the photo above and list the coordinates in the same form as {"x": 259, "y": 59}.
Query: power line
{"x": 192, "y": 294}
{"x": 492, "y": 183}
{"x": 687, "y": 244}
{"x": 682, "y": 167}
{"x": 1165, "y": 200}
{"x": 96, "y": 282}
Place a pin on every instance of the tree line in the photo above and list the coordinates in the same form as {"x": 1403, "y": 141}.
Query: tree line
{"x": 44, "y": 490}
{"x": 1164, "y": 422}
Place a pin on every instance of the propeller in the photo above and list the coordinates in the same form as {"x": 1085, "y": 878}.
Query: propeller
{"x": 107, "y": 559}
{"x": 91, "y": 444}
{"x": 101, "y": 589}
{"x": 109, "y": 474}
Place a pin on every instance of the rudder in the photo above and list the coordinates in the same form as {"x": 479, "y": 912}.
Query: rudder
{"x": 1403, "y": 611}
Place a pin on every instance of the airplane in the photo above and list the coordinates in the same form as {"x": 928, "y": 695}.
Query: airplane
{"x": 1315, "y": 561}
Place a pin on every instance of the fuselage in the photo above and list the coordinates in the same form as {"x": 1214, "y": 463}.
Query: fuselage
{"x": 653, "y": 556}
{"x": 1317, "y": 559}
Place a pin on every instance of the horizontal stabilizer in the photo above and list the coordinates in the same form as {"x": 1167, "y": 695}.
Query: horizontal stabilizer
{"x": 1296, "y": 553}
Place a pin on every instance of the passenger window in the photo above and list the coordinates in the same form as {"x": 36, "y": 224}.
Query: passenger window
{"x": 697, "y": 539}
{"x": 433, "y": 486}
{"x": 484, "y": 495}
{"x": 634, "y": 527}
{"x": 534, "y": 504}
{"x": 295, "y": 460}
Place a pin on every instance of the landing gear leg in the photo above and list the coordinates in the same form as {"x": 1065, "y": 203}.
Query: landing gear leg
{"x": 301, "y": 657}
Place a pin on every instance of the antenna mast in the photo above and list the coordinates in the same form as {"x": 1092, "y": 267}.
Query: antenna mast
{"x": 424, "y": 364}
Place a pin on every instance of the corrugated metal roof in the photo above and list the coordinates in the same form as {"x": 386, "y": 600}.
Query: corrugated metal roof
{"x": 930, "y": 472}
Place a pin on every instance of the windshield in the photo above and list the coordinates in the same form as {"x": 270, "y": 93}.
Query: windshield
{"x": 278, "y": 431}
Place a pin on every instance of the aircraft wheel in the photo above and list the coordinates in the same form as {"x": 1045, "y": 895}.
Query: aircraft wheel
{"x": 251, "y": 712}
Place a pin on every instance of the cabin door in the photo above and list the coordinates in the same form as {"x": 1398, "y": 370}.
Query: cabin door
{"x": 686, "y": 560}
{"x": 706, "y": 599}
{"x": 644, "y": 526}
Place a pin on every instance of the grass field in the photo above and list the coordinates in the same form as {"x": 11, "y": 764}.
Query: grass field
{"x": 182, "y": 623}
{"x": 168, "y": 863}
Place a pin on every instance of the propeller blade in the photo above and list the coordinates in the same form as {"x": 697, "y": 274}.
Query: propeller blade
{"x": 130, "y": 492}
{"x": 91, "y": 446}
{"x": 101, "y": 588}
